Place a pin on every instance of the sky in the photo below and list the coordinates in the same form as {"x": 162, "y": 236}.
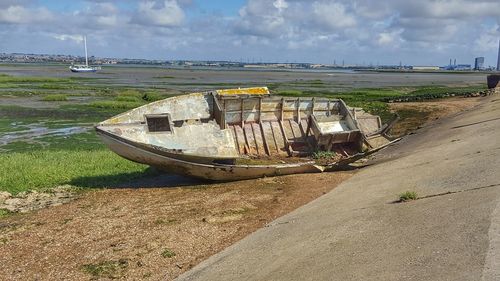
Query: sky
{"x": 414, "y": 32}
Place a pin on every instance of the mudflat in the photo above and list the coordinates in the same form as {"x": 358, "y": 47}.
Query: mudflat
{"x": 193, "y": 79}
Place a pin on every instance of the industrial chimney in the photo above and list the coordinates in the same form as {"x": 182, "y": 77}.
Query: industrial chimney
{"x": 498, "y": 59}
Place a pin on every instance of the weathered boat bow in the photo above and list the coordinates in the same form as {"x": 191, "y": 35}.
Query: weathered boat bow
{"x": 241, "y": 133}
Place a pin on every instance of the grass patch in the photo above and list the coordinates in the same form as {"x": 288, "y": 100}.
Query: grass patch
{"x": 440, "y": 90}
{"x": 323, "y": 154}
{"x": 4, "y": 213}
{"x": 116, "y": 104}
{"x": 167, "y": 253}
{"x": 43, "y": 169}
{"x": 140, "y": 96}
{"x": 290, "y": 93}
{"x": 107, "y": 269}
{"x": 74, "y": 113}
{"x": 408, "y": 196}
{"x": 22, "y": 79}
{"x": 150, "y": 96}
{"x": 55, "y": 97}
{"x": 161, "y": 221}
{"x": 410, "y": 119}
{"x": 128, "y": 99}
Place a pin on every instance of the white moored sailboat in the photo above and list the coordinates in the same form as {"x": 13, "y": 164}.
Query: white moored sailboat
{"x": 86, "y": 67}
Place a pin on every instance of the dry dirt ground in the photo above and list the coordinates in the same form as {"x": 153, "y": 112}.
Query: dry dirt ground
{"x": 159, "y": 233}
{"x": 416, "y": 114}
{"x": 154, "y": 233}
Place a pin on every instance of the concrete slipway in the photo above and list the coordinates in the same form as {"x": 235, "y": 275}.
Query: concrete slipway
{"x": 356, "y": 233}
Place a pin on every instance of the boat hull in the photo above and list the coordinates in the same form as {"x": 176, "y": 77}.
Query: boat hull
{"x": 210, "y": 135}
{"x": 215, "y": 172}
{"x": 83, "y": 70}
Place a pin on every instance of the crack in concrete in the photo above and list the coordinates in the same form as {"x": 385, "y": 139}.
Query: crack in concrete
{"x": 475, "y": 123}
{"x": 448, "y": 193}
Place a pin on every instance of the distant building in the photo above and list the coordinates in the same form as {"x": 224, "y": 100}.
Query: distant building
{"x": 458, "y": 67}
{"x": 425, "y": 67}
{"x": 463, "y": 67}
{"x": 479, "y": 63}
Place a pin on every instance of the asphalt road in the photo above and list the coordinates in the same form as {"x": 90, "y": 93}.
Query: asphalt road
{"x": 357, "y": 232}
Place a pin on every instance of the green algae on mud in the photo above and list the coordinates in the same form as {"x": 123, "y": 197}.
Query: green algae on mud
{"x": 44, "y": 169}
{"x": 55, "y": 97}
{"x": 41, "y": 162}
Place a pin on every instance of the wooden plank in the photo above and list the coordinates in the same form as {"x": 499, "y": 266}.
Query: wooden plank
{"x": 312, "y": 108}
{"x": 278, "y": 135}
{"x": 309, "y": 121}
{"x": 282, "y": 107}
{"x": 260, "y": 109}
{"x": 287, "y": 128}
{"x": 241, "y": 113}
{"x": 250, "y": 141}
{"x": 298, "y": 136}
{"x": 257, "y": 135}
{"x": 303, "y": 126}
{"x": 235, "y": 135}
{"x": 264, "y": 139}
{"x": 241, "y": 139}
{"x": 330, "y": 143}
{"x": 298, "y": 110}
{"x": 269, "y": 136}
{"x": 285, "y": 139}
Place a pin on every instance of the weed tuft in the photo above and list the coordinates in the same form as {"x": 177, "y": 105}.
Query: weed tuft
{"x": 161, "y": 221}
{"x": 167, "y": 253}
{"x": 4, "y": 213}
{"x": 408, "y": 196}
{"x": 55, "y": 97}
{"x": 107, "y": 269}
{"x": 323, "y": 154}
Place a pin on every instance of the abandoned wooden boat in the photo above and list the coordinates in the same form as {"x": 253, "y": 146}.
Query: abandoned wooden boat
{"x": 243, "y": 133}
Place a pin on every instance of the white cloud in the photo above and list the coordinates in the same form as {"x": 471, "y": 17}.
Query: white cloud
{"x": 167, "y": 13}
{"x": 446, "y": 9}
{"x": 488, "y": 39}
{"x": 280, "y": 5}
{"x": 64, "y": 37}
{"x": 16, "y": 14}
{"x": 332, "y": 15}
{"x": 389, "y": 39}
{"x": 262, "y": 18}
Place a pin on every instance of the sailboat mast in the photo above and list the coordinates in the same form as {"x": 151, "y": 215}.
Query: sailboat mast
{"x": 86, "y": 59}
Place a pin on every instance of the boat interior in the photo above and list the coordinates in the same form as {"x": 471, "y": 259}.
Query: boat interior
{"x": 224, "y": 125}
